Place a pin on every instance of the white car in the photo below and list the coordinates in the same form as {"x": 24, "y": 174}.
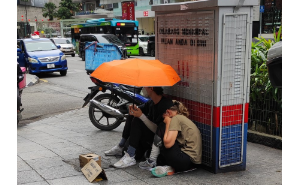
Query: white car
{"x": 143, "y": 44}
{"x": 65, "y": 45}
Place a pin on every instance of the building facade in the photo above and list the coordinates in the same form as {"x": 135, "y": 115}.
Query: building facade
{"x": 30, "y": 12}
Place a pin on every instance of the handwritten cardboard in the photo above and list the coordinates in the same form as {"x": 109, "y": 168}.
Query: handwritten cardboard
{"x": 93, "y": 172}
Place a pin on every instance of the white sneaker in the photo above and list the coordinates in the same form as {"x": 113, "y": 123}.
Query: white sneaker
{"x": 125, "y": 161}
{"x": 146, "y": 165}
{"x": 161, "y": 171}
{"x": 116, "y": 150}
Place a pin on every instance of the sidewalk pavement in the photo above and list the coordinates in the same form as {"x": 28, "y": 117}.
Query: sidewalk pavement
{"x": 48, "y": 152}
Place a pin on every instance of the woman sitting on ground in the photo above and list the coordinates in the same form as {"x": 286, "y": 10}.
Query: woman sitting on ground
{"x": 182, "y": 142}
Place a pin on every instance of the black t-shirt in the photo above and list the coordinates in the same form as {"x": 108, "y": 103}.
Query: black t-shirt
{"x": 154, "y": 112}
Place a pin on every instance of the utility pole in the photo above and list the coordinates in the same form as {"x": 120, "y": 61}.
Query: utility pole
{"x": 26, "y": 25}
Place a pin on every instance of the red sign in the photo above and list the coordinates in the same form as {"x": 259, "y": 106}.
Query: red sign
{"x": 128, "y": 10}
{"x": 145, "y": 13}
{"x": 124, "y": 10}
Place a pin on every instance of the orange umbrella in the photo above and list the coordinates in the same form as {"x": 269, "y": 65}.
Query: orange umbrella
{"x": 137, "y": 72}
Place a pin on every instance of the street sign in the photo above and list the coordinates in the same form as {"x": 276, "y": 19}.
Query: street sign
{"x": 145, "y": 13}
{"x": 262, "y": 9}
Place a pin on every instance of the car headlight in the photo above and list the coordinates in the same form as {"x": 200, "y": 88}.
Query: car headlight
{"x": 63, "y": 57}
{"x": 32, "y": 60}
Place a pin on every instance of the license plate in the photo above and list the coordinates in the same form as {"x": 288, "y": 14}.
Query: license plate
{"x": 50, "y": 66}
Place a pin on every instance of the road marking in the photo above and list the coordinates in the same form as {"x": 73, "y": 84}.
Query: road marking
{"x": 43, "y": 80}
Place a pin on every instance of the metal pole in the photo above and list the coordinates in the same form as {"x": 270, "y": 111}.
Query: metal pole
{"x": 260, "y": 15}
{"x": 26, "y": 18}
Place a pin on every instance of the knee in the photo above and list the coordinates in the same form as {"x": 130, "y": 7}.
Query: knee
{"x": 137, "y": 122}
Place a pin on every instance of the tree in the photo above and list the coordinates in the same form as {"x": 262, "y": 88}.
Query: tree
{"x": 63, "y": 13}
{"x": 66, "y": 9}
{"x": 49, "y": 10}
{"x": 73, "y": 7}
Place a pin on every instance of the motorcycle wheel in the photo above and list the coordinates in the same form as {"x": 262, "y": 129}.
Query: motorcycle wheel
{"x": 98, "y": 117}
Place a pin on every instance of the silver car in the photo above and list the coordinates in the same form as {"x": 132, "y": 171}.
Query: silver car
{"x": 65, "y": 45}
{"x": 143, "y": 43}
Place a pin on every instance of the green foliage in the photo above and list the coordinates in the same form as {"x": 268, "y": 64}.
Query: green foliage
{"x": 63, "y": 13}
{"x": 279, "y": 36}
{"x": 73, "y": 7}
{"x": 265, "y": 109}
{"x": 260, "y": 85}
{"x": 66, "y": 9}
{"x": 49, "y": 10}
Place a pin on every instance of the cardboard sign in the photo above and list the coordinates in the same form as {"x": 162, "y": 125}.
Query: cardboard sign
{"x": 92, "y": 171}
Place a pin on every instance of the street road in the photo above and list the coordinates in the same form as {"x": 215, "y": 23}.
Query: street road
{"x": 56, "y": 94}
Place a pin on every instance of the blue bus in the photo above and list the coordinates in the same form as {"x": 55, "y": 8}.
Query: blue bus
{"x": 125, "y": 30}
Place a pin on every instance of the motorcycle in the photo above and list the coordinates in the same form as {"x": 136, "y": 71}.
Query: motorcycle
{"x": 111, "y": 106}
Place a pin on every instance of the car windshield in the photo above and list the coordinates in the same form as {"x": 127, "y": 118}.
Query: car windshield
{"x": 41, "y": 45}
{"x": 144, "y": 39}
{"x": 61, "y": 41}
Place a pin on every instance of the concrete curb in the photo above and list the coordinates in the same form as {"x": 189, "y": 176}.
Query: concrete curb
{"x": 264, "y": 139}
{"x": 31, "y": 80}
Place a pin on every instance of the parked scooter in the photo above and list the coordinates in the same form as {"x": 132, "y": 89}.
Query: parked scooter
{"x": 107, "y": 111}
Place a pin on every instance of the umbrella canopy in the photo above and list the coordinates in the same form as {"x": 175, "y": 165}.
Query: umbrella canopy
{"x": 137, "y": 72}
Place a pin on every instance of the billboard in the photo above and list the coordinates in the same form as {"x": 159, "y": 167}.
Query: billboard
{"x": 128, "y": 10}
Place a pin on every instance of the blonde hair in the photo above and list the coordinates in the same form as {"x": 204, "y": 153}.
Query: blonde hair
{"x": 180, "y": 108}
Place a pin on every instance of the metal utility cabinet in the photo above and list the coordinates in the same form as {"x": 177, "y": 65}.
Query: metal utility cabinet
{"x": 208, "y": 43}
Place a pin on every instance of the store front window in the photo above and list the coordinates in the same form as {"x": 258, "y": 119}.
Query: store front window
{"x": 272, "y": 16}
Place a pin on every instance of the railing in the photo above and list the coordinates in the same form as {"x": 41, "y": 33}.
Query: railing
{"x": 85, "y": 13}
{"x": 265, "y": 114}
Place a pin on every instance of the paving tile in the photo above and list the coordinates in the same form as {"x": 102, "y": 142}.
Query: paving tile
{"x": 71, "y": 150}
{"x": 22, "y": 166}
{"x": 62, "y": 144}
{"x": 74, "y": 180}
{"x": 56, "y": 172}
{"x": 37, "y": 183}
{"x": 174, "y": 180}
{"x": 132, "y": 182}
{"x": 51, "y": 140}
{"x": 28, "y": 177}
{"x": 30, "y": 147}
{"x": 119, "y": 176}
{"x": 36, "y": 154}
{"x": 44, "y": 163}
